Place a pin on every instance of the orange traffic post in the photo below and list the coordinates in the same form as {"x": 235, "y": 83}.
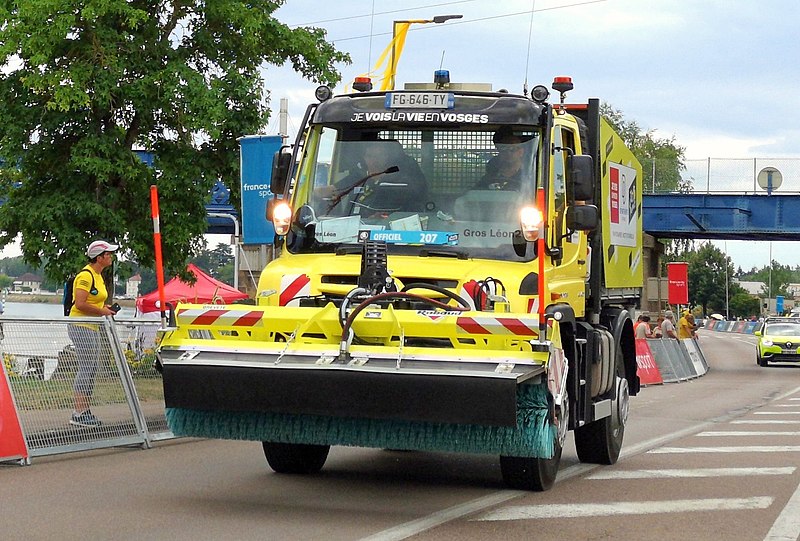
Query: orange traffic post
{"x": 159, "y": 260}
{"x": 540, "y": 249}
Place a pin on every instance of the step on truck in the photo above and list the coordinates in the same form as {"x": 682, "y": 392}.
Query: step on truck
{"x": 456, "y": 272}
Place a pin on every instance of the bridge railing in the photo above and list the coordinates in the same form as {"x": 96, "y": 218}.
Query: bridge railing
{"x": 729, "y": 175}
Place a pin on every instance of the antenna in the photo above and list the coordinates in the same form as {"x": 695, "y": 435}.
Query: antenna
{"x": 442, "y": 62}
{"x": 528, "y": 58}
{"x": 371, "y": 24}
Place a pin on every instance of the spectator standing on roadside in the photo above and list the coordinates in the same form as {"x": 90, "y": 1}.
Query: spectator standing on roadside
{"x": 692, "y": 325}
{"x": 668, "y": 326}
{"x": 89, "y": 297}
{"x": 685, "y": 326}
{"x": 657, "y": 329}
{"x": 642, "y": 328}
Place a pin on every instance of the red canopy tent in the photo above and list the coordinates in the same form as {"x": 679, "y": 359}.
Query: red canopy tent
{"x": 206, "y": 290}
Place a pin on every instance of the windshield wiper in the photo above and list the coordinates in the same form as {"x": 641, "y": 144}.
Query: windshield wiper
{"x": 338, "y": 197}
{"x": 442, "y": 252}
{"x": 346, "y": 249}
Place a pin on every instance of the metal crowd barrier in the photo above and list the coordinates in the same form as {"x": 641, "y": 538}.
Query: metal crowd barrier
{"x": 40, "y": 361}
{"x": 669, "y": 360}
{"x": 742, "y": 327}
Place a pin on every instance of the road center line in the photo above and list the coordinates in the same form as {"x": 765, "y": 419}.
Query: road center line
{"x": 751, "y": 433}
{"x": 764, "y": 422}
{"x": 689, "y": 473}
{"x": 742, "y": 449}
{"x": 582, "y": 510}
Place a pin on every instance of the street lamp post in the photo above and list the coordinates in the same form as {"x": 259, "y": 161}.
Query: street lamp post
{"x": 769, "y": 295}
{"x": 439, "y": 19}
{"x": 727, "y": 299}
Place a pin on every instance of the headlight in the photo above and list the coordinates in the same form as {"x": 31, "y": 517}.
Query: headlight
{"x": 766, "y": 342}
{"x": 530, "y": 219}
{"x": 281, "y": 218}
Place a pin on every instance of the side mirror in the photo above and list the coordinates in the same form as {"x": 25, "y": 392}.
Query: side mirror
{"x": 281, "y": 168}
{"x": 757, "y": 333}
{"x": 580, "y": 182}
{"x": 582, "y": 217}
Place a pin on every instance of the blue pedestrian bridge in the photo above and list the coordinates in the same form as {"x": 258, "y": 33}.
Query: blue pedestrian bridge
{"x": 722, "y": 216}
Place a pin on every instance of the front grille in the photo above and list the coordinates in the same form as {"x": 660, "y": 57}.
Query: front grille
{"x": 785, "y": 357}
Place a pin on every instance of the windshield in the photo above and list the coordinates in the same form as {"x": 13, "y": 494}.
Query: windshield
{"x": 453, "y": 190}
{"x": 783, "y": 329}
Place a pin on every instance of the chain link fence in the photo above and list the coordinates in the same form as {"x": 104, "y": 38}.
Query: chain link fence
{"x": 724, "y": 175}
{"x": 41, "y": 357}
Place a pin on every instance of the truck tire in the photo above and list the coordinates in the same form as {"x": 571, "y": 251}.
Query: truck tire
{"x": 600, "y": 442}
{"x": 525, "y": 473}
{"x": 537, "y": 474}
{"x": 295, "y": 457}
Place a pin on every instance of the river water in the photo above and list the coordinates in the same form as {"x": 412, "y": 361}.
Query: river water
{"x": 43, "y": 309}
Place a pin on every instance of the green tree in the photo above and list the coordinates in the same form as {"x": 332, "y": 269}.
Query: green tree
{"x": 780, "y": 278}
{"x": 708, "y": 270}
{"x": 88, "y": 81}
{"x": 744, "y": 305}
{"x": 658, "y": 155}
{"x": 212, "y": 261}
{"x": 16, "y": 266}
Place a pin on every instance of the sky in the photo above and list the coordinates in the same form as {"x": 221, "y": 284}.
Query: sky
{"x": 720, "y": 76}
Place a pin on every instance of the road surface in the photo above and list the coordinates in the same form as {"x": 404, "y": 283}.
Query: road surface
{"x": 714, "y": 458}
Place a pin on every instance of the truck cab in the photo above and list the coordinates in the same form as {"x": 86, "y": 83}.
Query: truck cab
{"x": 453, "y": 180}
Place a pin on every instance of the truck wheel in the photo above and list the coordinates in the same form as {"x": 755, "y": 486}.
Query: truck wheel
{"x": 295, "y": 457}
{"x": 601, "y": 441}
{"x": 537, "y": 474}
{"x": 524, "y": 473}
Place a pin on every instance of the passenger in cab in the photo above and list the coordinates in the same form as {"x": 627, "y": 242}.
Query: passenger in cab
{"x": 504, "y": 171}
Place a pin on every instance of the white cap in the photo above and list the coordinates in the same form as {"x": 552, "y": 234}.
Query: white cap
{"x": 98, "y": 247}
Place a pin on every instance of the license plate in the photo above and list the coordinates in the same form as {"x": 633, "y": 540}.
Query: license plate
{"x": 420, "y": 100}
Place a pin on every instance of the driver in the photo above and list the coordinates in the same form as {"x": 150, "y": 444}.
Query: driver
{"x": 374, "y": 188}
{"x": 504, "y": 171}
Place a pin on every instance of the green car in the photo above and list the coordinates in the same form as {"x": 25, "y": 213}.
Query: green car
{"x": 778, "y": 340}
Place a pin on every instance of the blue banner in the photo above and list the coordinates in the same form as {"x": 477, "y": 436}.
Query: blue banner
{"x": 256, "y": 168}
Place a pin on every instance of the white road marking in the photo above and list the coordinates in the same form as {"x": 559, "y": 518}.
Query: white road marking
{"x": 689, "y": 473}
{"x": 787, "y": 405}
{"x": 752, "y": 433}
{"x": 413, "y": 527}
{"x": 787, "y": 526}
{"x": 743, "y": 449}
{"x": 762, "y": 422}
{"x": 581, "y": 510}
{"x": 776, "y": 413}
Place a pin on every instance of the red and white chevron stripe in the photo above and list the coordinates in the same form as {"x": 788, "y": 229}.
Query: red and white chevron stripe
{"x": 294, "y": 286}
{"x": 509, "y": 326}
{"x": 220, "y": 316}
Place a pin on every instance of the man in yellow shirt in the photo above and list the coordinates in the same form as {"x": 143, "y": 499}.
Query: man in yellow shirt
{"x": 89, "y": 296}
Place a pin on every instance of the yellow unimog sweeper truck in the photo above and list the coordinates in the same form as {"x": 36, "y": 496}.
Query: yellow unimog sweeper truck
{"x": 456, "y": 271}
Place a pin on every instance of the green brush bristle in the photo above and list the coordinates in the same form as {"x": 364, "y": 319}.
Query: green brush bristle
{"x": 533, "y": 436}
